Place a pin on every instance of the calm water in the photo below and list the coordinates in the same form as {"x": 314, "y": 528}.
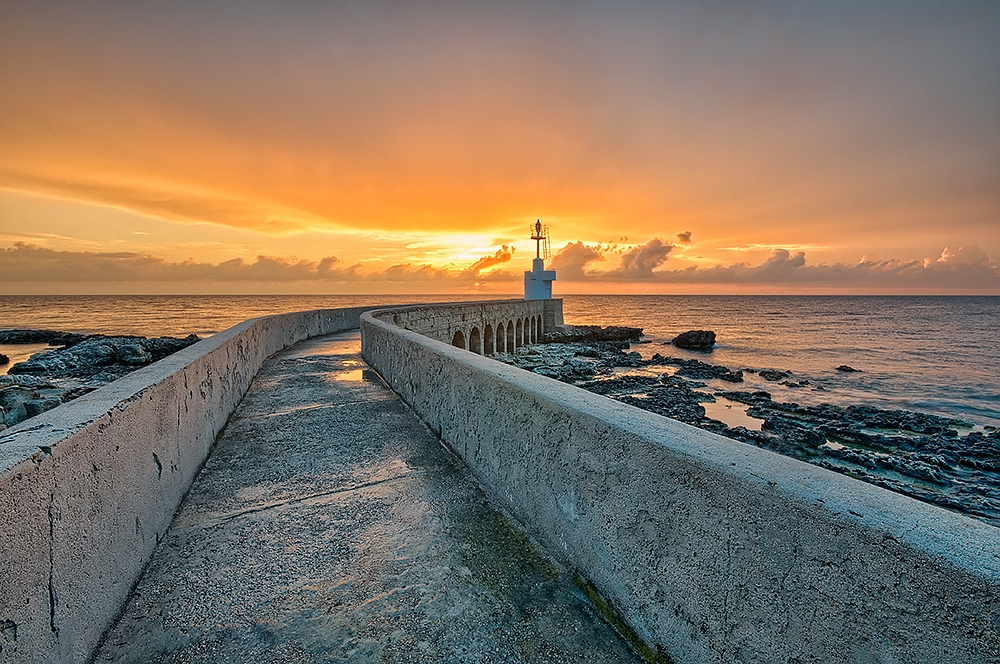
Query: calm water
{"x": 932, "y": 354}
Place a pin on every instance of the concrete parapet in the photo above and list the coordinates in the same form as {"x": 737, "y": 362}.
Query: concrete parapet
{"x": 711, "y": 550}
{"x": 485, "y": 327}
{"x": 87, "y": 489}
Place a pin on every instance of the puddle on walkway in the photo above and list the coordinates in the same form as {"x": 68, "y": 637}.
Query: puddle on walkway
{"x": 346, "y": 344}
{"x": 732, "y": 414}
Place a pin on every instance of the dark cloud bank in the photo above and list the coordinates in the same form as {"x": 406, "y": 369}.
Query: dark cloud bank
{"x": 965, "y": 268}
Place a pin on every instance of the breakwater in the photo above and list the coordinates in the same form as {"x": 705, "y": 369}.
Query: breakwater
{"x": 710, "y": 550}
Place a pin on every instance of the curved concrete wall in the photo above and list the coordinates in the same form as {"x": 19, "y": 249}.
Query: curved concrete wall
{"x": 87, "y": 489}
{"x": 484, "y": 328}
{"x": 712, "y": 550}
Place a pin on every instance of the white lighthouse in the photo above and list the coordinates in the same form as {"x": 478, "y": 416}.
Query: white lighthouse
{"x": 538, "y": 282}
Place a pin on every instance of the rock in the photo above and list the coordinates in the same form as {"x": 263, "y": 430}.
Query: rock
{"x": 100, "y": 355}
{"x": 591, "y": 333}
{"x": 133, "y": 355}
{"x": 26, "y": 336}
{"x": 848, "y": 369}
{"x": 39, "y": 406}
{"x": 701, "y": 370}
{"x": 773, "y": 375}
{"x": 13, "y": 408}
{"x": 87, "y": 362}
{"x": 4, "y": 360}
{"x": 695, "y": 340}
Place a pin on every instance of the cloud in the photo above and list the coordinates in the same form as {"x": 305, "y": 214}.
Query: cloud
{"x": 26, "y": 262}
{"x": 685, "y": 237}
{"x": 963, "y": 268}
{"x": 503, "y": 255}
{"x": 574, "y": 261}
{"x": 639, "y": 262}
{"x": 571, "y": 261}
{"x": 966, "y": 255}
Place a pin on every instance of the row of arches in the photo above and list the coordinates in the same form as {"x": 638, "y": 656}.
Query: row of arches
{"x": 500, "y": 338}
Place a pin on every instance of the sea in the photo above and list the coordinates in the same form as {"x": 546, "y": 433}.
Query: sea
{"x": 932, "y": 354}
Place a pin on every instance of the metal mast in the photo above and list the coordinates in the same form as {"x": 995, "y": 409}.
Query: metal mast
{"x": 540, "y": 234}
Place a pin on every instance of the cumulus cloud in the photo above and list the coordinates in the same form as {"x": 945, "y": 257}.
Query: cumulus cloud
{"x": 685, "y": 237}
{"x": 639, "y": 262}
{"x": 26, "y": 262}
{"x": 967, "y": 268}
{"x": 503, "y": 255}
{"x": 571, "y": 262}
{"x": 966, "y": 255}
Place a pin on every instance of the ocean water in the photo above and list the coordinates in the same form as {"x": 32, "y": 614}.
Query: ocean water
{"x": 931, "y": 354}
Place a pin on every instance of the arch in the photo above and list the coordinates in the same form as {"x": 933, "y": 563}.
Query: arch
{"x": 510, "y": 337}
{"x": 519, "y": 334}
{"x": 501, "y": 339}
{"x": 475, "y": 342}
{"x": 527, "y": 331}
{"x": 541, "y": 329}
{"x": 534, "y": 330}
{"x": 488, "y": 348}
{"x": 458, "y": 340}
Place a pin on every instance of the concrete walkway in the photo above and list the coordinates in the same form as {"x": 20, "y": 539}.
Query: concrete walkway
{"x": 330, "y": 525}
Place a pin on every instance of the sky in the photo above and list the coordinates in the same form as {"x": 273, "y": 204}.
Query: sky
{"x": 403, "y": 147}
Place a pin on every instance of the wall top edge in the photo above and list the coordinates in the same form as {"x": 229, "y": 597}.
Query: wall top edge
{"x": 394, "y": 309}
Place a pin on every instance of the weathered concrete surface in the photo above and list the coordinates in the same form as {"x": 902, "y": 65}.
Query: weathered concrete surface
{"x": 713, "y": 550}
{"x": 484, "y": 327}
{"x": 330, "y": 525}
{"x": 88, "y": 488}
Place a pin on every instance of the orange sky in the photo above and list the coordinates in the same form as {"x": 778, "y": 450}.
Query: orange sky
{"x": 390, "y": 147}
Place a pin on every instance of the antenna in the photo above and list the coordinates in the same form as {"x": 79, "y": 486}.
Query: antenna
{"x": 540, "y": 234}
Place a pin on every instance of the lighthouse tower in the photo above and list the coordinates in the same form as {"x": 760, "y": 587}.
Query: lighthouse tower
{"x": 538, "y": 282}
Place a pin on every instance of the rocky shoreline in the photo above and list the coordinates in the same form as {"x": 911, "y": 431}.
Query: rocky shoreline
{"x": 939, "y": 460}
{"x": 77, "y": 364}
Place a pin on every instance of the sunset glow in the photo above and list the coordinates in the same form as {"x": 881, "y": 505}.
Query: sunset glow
{"x": 406, "y": 147}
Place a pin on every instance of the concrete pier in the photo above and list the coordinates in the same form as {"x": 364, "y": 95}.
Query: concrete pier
{"x": 330, "y": 525}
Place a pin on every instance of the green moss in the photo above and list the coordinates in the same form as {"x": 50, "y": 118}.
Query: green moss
{"x": 503, "y": 555}
{"x": 645, "y": 651}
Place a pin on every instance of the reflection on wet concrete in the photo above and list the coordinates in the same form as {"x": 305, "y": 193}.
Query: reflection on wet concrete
{"x": 345, "y": 532}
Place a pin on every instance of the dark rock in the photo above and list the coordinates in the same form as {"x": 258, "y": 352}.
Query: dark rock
{"x": 13, "y": 404}
{"x": 52, "y": 377}
{"x": 695, "y": 340}
{"x": 621, "y": 385}
{"x": 591, "y": 333}
{"x": 749, "y": 398}
{"x": 27, "y": 336}
{"x": 702, "y": 370}
{"x": 133, "y": 355}
{"x": 848, "y": 369}
{"x": 40, "y": 405}
{"x": 97, "y": 354}
{"x": 792, "y": 383}
{"x": 4, "y": 360}
{"x": 68, "y": 339}
{"x": 773, "y": 375}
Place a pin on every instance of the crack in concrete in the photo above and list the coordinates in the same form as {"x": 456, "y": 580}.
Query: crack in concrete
{"x": 296, "y": 411}
{"x": 302, "y": 499}
{"x": 52, "y": 590}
